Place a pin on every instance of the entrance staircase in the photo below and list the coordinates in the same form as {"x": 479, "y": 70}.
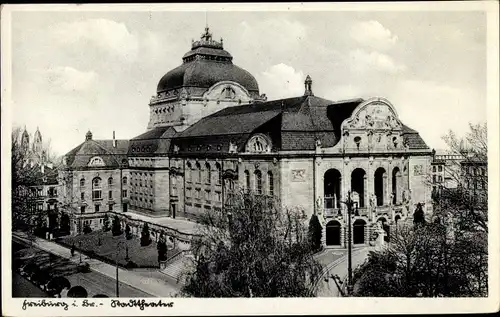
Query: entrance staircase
{"x": 176, "y": 269}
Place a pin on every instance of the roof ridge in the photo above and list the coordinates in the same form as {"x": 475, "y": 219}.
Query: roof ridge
{"x": 106, "y": 150}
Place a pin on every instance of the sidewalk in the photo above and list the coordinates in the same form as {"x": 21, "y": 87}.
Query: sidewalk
{"x": 156, "y": 287}
{"x": 339, "y": 267}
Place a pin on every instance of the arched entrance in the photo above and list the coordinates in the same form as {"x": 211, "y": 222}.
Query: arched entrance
{"x": 333, "y": 233}
{"x": 380, "y": 185}
{"x": 358, "y": 181}
{"x": 359, "y": 231}
{"x": 396, "y": 185}
{"x": 332, "y": 181}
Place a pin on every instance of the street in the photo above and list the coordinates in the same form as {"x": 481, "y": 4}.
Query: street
{"x": 94, "y": 282}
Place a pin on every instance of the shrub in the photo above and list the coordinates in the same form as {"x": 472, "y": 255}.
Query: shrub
{"x": 105, "y": 226}
{"x": 87, "y": 229}
{"x": 128, "y": 232}
{"x": 145, "y": 236}
{"x": 315, "y": 233}
{"x": 162, "y": 248}
{"x": 117, "y": 227}
{"x": 131, "y": 265}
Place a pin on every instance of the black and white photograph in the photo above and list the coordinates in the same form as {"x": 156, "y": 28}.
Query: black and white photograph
{"x": 170, "y": 154}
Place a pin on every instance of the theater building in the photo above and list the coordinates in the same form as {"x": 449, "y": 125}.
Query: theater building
{"x": 211, "y": 132}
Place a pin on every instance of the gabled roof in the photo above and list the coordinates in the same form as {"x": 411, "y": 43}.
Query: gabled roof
{"x": 112, "y": 156}
{"x": 413, "y": 139}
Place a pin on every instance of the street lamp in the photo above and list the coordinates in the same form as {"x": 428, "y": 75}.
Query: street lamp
{"x": 120, "y": 243}
{"x": 80, "y": 250}
{"x": 349, "y": 203}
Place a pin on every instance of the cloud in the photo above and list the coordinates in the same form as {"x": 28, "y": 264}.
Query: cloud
{"x": 432, "y": 108}
{"x": 69, "y": 79}
{"x": 363, "y": 61}
{"x": 373, "y": 35}
{"x": 280, "y": 81}
{"x": 106, "y": 35}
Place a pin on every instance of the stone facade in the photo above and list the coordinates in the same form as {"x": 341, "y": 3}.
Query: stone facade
{"x": 203, "y": 143}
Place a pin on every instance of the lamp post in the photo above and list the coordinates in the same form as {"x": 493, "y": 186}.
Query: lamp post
{"x": 349, "y": 203}
{"x": 80, "y": 250}
{"x": 120, "y": 243}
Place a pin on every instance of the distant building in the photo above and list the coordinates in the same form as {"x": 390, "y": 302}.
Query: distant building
{"x": 42, "y": 193}
{"x": 211, "y": 133}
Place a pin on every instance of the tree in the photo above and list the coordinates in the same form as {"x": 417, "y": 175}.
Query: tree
{"x": 128, "y": 233}
{"x": 77, "y": 292}
{"x": 468, "y": 202}
{"x": 162, "y": 247}
{"x": 116, "y": 226}
{"x": 418, "y": 215}
{"x": 105, "y": 226}
{"x": 145, "y": 236}
{"x": 426, "y": 261}
{"x": 315, "y": 232}
{"x": 57, "y": 285}
{"x": 252, "y": 248}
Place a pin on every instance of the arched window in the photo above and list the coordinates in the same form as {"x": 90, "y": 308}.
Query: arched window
{"x": 270, "y": 183}
{"x": 124, "y": 180}
{"x": 208, "y": 174}
{"x": 198, "y": 173}
{"x": 219, "y": 173}
{"x": 82, "y": 182}
{"x": 258, "y": 182}
{"x": 110, "y": 181}
{"x": 247, "y": 181}
{"x": 96, "y": 188}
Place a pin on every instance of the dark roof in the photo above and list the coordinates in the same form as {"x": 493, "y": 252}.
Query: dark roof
{"x": 413, "y": 139}
{"x": 155, "y": 141}
{"x": 205, "y": 74}
{"x": 299, "y": 122}
{"x": 112, "y": 156}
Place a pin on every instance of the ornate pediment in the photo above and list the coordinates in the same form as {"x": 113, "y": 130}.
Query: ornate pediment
{"x": 374, "y": 116}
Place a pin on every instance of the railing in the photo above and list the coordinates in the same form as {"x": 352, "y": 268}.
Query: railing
{"x": 174, "y": 257}
{"x": 332, "y": 212}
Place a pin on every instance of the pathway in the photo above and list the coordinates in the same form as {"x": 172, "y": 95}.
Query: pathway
{"x": 339, "y": 267}
{"x": 145, "y": 281}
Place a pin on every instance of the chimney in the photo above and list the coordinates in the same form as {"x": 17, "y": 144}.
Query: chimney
{"x": 114, "y": 140}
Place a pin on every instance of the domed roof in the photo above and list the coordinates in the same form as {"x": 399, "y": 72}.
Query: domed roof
{"x": 206, "y": 64}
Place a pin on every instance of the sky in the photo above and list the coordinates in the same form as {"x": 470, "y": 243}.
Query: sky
{"x": 79, "y": 71}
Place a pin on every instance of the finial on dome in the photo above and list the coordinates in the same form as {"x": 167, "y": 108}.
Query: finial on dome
{"x": 88, "y": 136}
{"x": 207, "y": 36}
{"x": 308, "y": 86}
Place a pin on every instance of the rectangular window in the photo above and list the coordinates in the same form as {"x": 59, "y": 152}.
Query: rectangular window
{"x": 440, "y": 178}
{"x": 110, "y": 194}
{"x": 96, "y": 194}
{"x": 440, "y": 168}
{"x": 110, "y": 207}
{"x": 96, "y": 208}
{"x": 82, "y": 195}
{"x": 434, "y": 168}
{"x": 124, "y": 193}
{"x": 433, "y": 178}
{"x": 82, "y": 209}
